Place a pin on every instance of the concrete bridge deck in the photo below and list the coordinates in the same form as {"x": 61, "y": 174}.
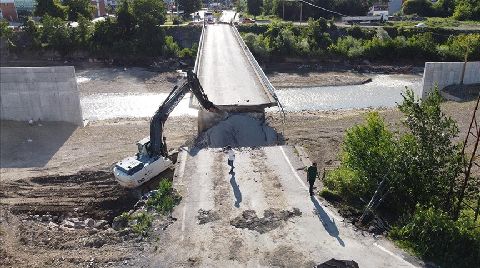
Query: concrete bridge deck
{"x": 227, "y": 74}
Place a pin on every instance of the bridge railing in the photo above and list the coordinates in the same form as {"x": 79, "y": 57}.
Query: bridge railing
{"x": 199, "y": 50}
{"x": 258, "y": 70}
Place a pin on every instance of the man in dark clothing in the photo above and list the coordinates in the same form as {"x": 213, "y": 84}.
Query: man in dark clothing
{"x": 311, "y": 176}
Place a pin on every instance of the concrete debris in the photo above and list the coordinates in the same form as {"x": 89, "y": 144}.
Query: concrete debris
{"x": 206, "y": 216}
{"x": 89, "y": 223}
{"x": 239, "y": 131}
{"x": 101, "y": 224}
{"x": 272, "y": 219}
{"x": 68, "y": 224}
{"x": 52, "y": 225}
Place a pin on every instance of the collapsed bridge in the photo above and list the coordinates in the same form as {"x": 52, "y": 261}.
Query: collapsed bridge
{"x": 230, "y": 75}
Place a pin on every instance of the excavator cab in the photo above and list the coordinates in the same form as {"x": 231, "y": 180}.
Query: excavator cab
{"x": 143, "y": 146}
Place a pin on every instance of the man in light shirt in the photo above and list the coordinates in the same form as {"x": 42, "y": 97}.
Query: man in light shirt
{"x": 231, "y": 158}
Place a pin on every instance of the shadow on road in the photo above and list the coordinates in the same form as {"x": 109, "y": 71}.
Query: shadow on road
{"x": 327, "y": 223}
{"x": 236, "y": 190}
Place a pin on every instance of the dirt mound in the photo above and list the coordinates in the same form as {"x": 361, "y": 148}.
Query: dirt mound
{"x": 239, "y": 130}
{"x": 272, "y": 219}
{"x": 86, "y": 194}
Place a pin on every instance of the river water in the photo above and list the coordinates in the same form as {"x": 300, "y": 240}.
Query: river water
{"x": 383, "y": 91}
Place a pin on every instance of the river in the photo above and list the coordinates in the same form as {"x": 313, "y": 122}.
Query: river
{"x": 384, "y": 91}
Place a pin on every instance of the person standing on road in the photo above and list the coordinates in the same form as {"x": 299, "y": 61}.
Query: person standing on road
{"x": 231, "y": 158}
{"x": 311, "y": 176}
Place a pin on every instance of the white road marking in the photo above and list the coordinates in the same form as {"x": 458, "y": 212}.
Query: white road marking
{"x": 181, "y": 169}
{"x": 330, "y": 213}
{"x": 393, "y": 255}
{"x": 183, "y": 221}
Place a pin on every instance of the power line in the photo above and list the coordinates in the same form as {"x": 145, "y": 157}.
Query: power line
{"x": 331, "y": 11}
{"x": 313, "y": 5}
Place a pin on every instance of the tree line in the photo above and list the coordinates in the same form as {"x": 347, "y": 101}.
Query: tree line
{"x": 134, "y": 32}
{"x": 321, "y": 39}
{"x": 458, "y": 9}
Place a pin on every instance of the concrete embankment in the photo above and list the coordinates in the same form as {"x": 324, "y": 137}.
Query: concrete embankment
{"x": 445, "y": 74}
{"x": 40, "y": 93}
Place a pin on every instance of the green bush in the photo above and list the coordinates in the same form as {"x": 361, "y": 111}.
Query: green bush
{"x": 164, "y": 199}
{"x": 348, "y": 47}
{"x": 141, "y": 222}
{"x": 467, "y": 10}
{"x": 367, "y": 158}
{"x": 434, "y": 236}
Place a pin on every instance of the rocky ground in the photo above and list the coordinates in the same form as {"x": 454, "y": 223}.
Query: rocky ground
{"x": 124, "y": 79}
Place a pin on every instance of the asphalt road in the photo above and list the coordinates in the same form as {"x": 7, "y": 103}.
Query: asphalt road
{"x": 268, "y": 177}
{"x": 225, "y": 72}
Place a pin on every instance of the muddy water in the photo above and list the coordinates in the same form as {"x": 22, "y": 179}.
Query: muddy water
{"x": 113, "y": 105}
{"x": 383, "y": 91}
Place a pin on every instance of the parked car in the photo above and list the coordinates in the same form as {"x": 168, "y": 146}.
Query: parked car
{"x": 248, "y": 20}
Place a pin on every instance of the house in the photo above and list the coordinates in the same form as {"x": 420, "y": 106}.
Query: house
{"x": 100, "y": 10}
{"x": 8, "y": 10}
{"x": 27, "y": 6}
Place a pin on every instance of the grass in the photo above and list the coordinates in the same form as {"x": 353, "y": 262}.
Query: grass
{"x": 164, "y": 199}
{"x": 439, "y": 23}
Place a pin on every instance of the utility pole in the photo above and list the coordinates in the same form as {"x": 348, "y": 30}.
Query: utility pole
{"x": 464, "y": 66}
{"x": 301, "y": 11}
{"x": 283, "y": 10}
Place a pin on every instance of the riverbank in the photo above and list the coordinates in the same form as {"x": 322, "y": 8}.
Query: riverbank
{"x": 296, "y": 75}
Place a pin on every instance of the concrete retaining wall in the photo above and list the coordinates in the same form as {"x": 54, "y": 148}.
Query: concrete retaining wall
{"x": 45, "y": 93}
{"x": 449, "y": 73}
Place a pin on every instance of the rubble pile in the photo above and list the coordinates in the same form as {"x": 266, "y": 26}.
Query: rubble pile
{"x": 239, "y": 130}
{"x": 272, "y": 219}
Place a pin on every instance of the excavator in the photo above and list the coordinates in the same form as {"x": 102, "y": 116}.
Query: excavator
{"x": 152, "y": 158}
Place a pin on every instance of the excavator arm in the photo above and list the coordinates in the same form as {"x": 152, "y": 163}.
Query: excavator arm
{"x": 161, "y": 115}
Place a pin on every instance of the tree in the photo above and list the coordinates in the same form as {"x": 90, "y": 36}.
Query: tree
{"x": 53, "y": 8}
{"x": 189, "y": 6}
{"x": 125, "y": 20}
{"x": 79, "y": 7}
{"x": 149, "y": 16}
{"x": 419, "y": 7}
{"x": 57, "y": 34}
{"x": 467, "y": 10}
{"x": 254, "y": 7}
{"x": 444, "y": 8}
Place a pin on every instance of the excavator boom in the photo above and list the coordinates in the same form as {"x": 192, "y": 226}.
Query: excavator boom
{"x": 151, "y": 159}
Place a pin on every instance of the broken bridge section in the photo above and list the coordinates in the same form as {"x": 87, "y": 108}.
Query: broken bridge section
{"x": 230, "y": 75}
